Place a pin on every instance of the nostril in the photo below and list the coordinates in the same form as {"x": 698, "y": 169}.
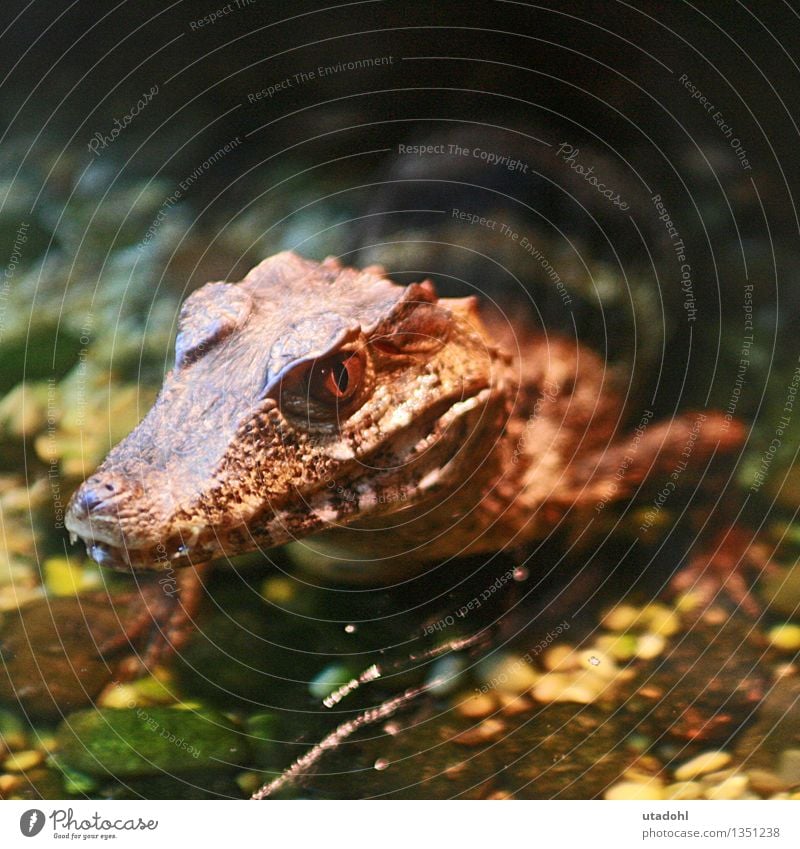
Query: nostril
{"x": 91, "y": 496}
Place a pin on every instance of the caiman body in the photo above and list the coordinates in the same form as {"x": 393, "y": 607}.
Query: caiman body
{"x": 395, "y": 426}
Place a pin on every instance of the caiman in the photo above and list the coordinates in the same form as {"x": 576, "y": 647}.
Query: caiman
{"x": 397, "y": 427}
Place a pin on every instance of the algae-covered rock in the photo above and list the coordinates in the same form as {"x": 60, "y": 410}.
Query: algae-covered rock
{"x": 149, "y": 741}
{"x": 50, "y": 660}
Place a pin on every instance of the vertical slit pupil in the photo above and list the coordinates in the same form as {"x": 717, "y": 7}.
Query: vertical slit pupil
{"x": 341, "y": 377}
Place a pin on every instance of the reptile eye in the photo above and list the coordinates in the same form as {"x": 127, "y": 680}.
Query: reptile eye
{"x": 336, "y": 379}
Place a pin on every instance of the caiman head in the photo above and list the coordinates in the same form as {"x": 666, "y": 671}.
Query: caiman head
{"x": 303, "y": 398}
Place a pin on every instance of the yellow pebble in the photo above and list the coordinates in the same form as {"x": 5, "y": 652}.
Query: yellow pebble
{"x": 684, "y": 790}
{"x": 650, "y": 646}
{"x": 620, "y": 618}
{"x": 278, "y": 590}
{"x": 598, "y": 663}
{"x": 661, "y": 620}
{"x": 477, "y": 705}
{"x": 622, "y": 647}
{"x": 561, "y": 658}
{"x": 62, "y": 577}
{"x": 23, "y": 761}
{"x": 732, "y": 788}
{"x": 633, "y": 790}
{"x": 9, "y": 783}
{"x": 785, "y": 637}
{"x": 702, "y": 764}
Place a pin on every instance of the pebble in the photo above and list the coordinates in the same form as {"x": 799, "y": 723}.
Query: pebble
{"x": 562, "y": 687}
{"x": 477, "y": 705}
{"x": 62, "y": 576}
{"x": 278, "y": 590}
{"x": 598, "y": 663}
{"x": 487, "y": 732}
{"x": 661, "y": 620}
{"x": 8, "y": 784}
{"x": 249, "y": 782}
{"x": 513, "y": 705}
{"x": 620, "y": 618}
{"x": 634, "y": 790}
{"x": 702, "y": 764}
{"x": 23, "y": 761}
{"x": 650, "y": 646}
{"x": 508, "y": 673}
{"x": 684, "y": 790}
{"x": 731, "y": 788}
{"x": 500, "y": 795}
{"x": 561, "y": 658}
{"x": 329, "y": 680}
{"x": 620, "y": 647}
{"x": 789, "y": 767}
{"x": 119, "y": 696}
{"x": 446, "y": 674}
{"x": 785, "y": 637}
{"x": 765, "y": 782}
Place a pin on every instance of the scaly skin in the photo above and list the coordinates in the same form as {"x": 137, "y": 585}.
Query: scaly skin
{"x": 449, "y": 438}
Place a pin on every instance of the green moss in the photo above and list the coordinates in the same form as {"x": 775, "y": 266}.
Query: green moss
{"x": 149, "y": 741}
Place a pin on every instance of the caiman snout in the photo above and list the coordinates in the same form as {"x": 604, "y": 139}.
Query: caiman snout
{"x": 93, "y": 495}
{"x": 97, "y": 516}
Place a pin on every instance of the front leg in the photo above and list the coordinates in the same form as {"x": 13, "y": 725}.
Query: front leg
{"x": 161, "y": 620}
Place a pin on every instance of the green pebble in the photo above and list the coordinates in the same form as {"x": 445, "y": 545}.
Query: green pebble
{"x": 329, "y": 680}
{"x": 148, "y": 741}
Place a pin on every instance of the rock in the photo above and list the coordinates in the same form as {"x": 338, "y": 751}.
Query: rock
{"x": 149, "y": 741}
{"x": 50, "y": 663}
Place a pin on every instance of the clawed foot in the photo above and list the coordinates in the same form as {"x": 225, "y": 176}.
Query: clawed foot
{"x": 729, "y": 566}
